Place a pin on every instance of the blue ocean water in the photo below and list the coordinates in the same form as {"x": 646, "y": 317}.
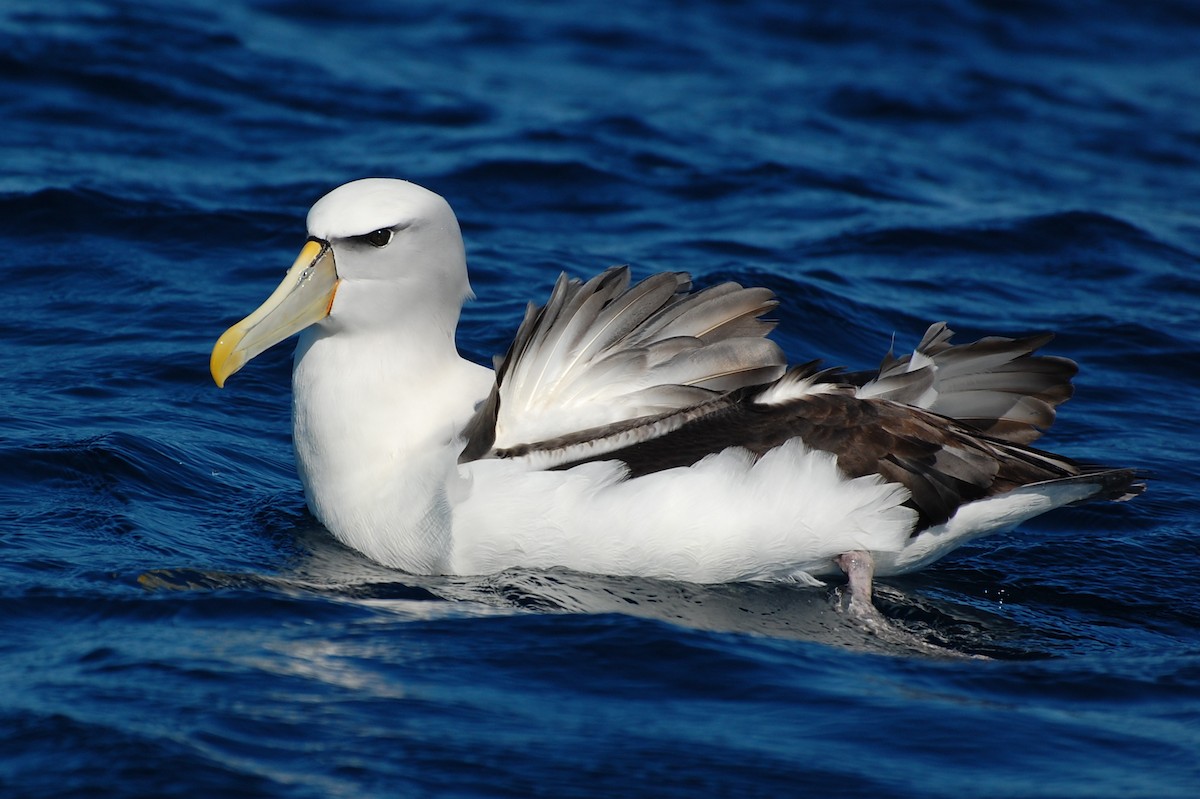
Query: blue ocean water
{"x": 174, "y": 623}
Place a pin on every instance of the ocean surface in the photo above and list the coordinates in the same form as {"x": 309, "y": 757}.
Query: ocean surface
{"x": 174, "y": 623}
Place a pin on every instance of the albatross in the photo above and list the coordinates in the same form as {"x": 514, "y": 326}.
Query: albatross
{"x": 636, "y": 429}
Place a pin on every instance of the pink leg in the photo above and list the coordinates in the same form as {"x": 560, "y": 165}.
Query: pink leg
{"x": 860, "y": 569}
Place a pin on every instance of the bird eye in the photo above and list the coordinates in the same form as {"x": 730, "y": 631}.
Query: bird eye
{"x": 380, "y": 238}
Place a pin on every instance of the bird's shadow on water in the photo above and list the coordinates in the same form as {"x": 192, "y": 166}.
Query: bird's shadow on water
{"x": 910, "y": 623}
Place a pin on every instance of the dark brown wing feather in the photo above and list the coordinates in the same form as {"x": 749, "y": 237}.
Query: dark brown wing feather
{"x": 944, "y": 464}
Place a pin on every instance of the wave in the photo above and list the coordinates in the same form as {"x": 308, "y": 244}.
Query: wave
{"x": 44, "y": 215}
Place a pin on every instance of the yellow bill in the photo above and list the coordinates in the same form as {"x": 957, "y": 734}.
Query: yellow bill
{"x": 303, "y": 298}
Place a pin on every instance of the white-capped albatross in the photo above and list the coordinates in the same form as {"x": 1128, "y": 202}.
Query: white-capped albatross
{"x": 642, "y": 430}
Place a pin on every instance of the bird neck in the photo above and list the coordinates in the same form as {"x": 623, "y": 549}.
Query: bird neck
{"x": 375, "y": 419}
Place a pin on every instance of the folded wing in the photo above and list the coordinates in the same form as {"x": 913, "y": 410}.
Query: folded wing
{"x": 657, "y": 378}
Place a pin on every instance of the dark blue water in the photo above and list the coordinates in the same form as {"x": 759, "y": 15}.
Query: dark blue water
{"x": 174, "y": 623}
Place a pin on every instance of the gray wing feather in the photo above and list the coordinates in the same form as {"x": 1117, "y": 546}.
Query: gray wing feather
{"x": 605, "y": 352}
{"x": 999, "y": 385}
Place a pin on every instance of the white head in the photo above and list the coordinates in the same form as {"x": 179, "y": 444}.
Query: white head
{"x": 383, "y": 254}
{"x": 395, "y": 243}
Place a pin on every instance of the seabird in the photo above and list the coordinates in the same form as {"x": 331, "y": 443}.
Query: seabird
{"x": 643, "y": 430}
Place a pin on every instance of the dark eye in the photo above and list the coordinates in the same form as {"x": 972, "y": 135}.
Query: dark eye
{"x": 380, "y": 238}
